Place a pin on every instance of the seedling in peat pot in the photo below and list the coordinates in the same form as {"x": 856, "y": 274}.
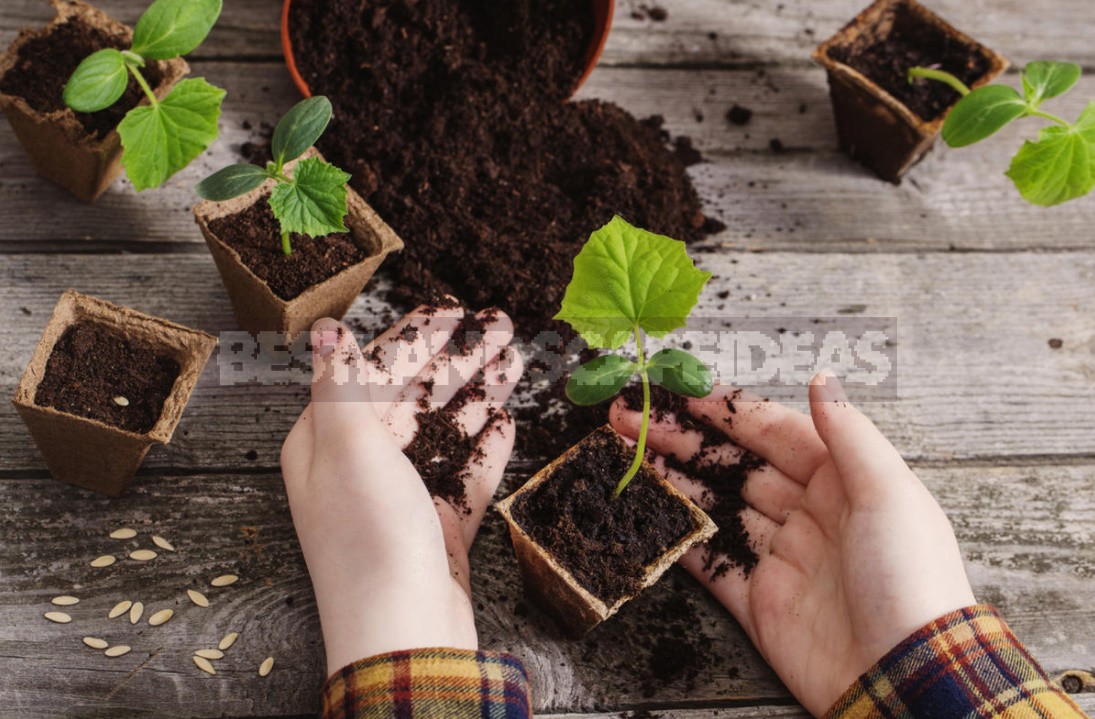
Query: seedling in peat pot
{"x": 164, "y": 136}
{"x": 1059, "y": 165}
{"x": 313, "y": 201}
{"x": 628, "y": 282}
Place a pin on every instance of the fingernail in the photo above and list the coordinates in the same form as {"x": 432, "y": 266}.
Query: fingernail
{"x": 828, "y": 386}
{"x": 326, "y": 334}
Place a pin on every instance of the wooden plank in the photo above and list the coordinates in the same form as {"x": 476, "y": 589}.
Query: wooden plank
{"x": 975, "y": 375}
{"x": 1023, "y": 530}
{"x": 746, "y": 31}
{"x": 808, "y": 197}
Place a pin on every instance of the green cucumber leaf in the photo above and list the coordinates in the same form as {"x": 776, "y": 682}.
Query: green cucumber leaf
{"x": 680, "y": 372}
{"x": 97, "y": 82}
{"x": 299, "y": 128}
{"x": 314, "y": 203}
{"x": 170, "y": 28}
{"x": 232, "y": 181}
{"x": 599, "y": 379}
{"x": 981, "y": 113}
{"x": 1060, "y": 165}
{"x": 1044, "y": 79}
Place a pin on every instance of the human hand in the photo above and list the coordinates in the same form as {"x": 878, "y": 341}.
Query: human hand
{"x": 389, "y": 563}
{"x": 854, "y": 552}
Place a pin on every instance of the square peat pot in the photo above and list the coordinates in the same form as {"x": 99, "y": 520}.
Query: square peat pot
{"x": 59, "y": 147}
{"x": 584, "y": 554}
{"x": 258, "y": 307}
{"x": 73, "y": 364}
{"x": 882, "y": 120}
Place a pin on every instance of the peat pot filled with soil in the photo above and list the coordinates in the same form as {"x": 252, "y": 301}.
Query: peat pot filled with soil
{"x": 882, "y": 120}
{"x": 81, "y": 152}
{"x": 275, "y": 292}
{"x": 104, "y": 384}
{"x": 584, "y": 552}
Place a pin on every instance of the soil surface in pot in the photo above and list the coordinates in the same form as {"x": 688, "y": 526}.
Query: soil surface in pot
{"x": 92, "y": 364}
{"x": 886, "y": 59}
{"x": 255, "y": 235}
{"x": 452, "y": 117}
{"x": 46, "y": 63}
{"x": 605, "y": 542}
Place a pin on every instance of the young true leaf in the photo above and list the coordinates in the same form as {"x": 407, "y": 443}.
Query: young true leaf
{"x": 232, "y": 181}
{"x": 680, "y": 372}
{"x": 981, "y": 113}
{"x": 599, "y": 379}
{"x": 299, "y": 128}
{"x": 314, "y": 203}
{"x": 170, "y": 28}
{"x": 1060, "y": 165}
{"x": 161, "y": 139}
{"x": 98, "y": 81}
{"x": 625, "y": 279}
{"x": 1044, "y": 79}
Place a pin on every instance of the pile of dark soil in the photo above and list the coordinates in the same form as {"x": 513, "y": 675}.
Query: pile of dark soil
{"x": 46, "y": 63}
{"x": 255, "y": 235}
{"x": 604, "y": 541}
{"x": 452, "y": 117}
{"x": 91, "y": 365}
{"x": 886, "y": 59}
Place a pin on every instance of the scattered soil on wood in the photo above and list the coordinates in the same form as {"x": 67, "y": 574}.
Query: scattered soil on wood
{"x": 255, "y": 235}
{"x": 46, "y": 63}
{"x": 886, "y": 59}
{"x": 92, "y": 364}
{"x": 452, "y": 117}
{"x": 604, "y": 541}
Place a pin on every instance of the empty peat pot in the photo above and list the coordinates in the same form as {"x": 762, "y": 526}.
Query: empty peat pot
{"x": 584, "y": 553}
{"x": 272, "y": 292}
{"x": 80, "y": 152}
{"x": 882, "y": 120}
{"x": 104, "y": 384}
{"x": 603, "y": 11}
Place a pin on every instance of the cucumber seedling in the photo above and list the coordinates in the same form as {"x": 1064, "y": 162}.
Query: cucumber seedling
{"x": 313, "y": 201}
{"x": 164, "y": 136}
{"x": 629, "y": 283}
{"x": 1057, "y": 167}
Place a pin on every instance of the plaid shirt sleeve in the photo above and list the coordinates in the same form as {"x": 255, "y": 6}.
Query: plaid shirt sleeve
{"x": 965, "y": 664}
{"x": 429, "y": 684}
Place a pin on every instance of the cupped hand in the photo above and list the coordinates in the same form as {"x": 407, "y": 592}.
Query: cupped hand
{"x": 389, "y": 563}
{"x": 854, "y": 552}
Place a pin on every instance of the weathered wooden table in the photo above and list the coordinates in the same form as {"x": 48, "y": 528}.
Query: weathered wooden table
{"x": 1000, "y": 425}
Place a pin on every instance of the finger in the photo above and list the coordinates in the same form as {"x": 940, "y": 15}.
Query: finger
{"x": 665, "y": 435}
{"x": 396, "y": 357}
{"x": 340, "y": 395}
{"x": 498, "y": 380}
{"x": 869, "y": 466}
{"x": 782, "y": 436}
{"x": 485, "y": 471}
{"x": 772, "y": 493}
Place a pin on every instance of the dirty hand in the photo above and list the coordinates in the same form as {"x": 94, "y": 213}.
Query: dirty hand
{"x": 389, "y": 563}
{"x": 854, "y": 552}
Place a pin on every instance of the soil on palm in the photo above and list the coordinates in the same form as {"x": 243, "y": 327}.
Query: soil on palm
{"x": 886, "y": 56}
{"x": 97, "y": 372}
{"x": 606, "y": 542}
{"x": 45, "y": 64}
{"x": 255, "y": 235}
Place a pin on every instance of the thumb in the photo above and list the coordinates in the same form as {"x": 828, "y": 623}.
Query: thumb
{"x": 340, "y": 390}
{"x": 869, "y": 466}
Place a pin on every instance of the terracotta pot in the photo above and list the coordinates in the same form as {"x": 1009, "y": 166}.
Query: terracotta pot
{"x": 257, "y": 308}
{"x": 603, "y": 11}
{"x": 553, "y": 586}
{"x": 89, "y": 453}
{"x": 873, "y": 126}
{"x": 58, "y": 146}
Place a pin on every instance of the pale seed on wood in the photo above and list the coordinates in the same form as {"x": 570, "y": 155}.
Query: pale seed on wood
{"x": 142, "y": 555}
{"x": 162, "y": 543}
{"x": 135, "y": 612}
{"x": 209, "y": 654}
{"x": 123, "y": 533}
{"x": 197, "y": 597}
{"x": 266, "y": 666}
{"x": 229, "y": 639}
{"x": 59, "y": 617}
{"x": 160, "y": 617}
{"x": 204, "y": 664}
{"x": 64, "y": 601}
{"x": 96, "y": 643}
{"x": 121, "y": 401}
{"x": 224, "y": 580}
{"x": 117, "y": 651}
{"x": 104, "y": 561}
{"x": 119, "y": 609}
